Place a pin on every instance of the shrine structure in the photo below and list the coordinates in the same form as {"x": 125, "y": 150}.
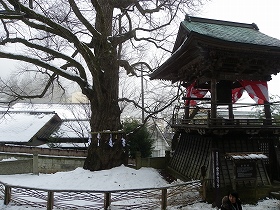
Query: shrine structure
{"x": 216, "y": 61}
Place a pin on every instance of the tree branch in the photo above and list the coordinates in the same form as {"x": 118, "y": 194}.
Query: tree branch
{"x": 50, "y": 67}
{"x": 50, "y": 51}
{"x": 79, "y": 15}
{"x": 18, "y": 96}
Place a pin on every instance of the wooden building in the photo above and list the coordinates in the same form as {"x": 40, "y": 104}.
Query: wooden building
{"x": 224, "y": 58}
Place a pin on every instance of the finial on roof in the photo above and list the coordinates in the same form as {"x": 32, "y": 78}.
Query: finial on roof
{"x": 188, "y": 18}
{"x": 255, "y": 26}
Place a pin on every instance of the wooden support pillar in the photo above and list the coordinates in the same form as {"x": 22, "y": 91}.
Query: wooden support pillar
{"x": 7, "y": 196}
{"x": 230, "y": 111}
{"x": 187, "y": 109}
{"x": 267, "y": 113}
{"x": 107, "y": 200}
{"x": 50, "y": 200}
{"x": 213, "y": 99}
{"x": 163, "y": 199}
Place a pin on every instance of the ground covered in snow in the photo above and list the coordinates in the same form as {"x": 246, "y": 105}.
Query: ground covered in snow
{"x": 115, "y": 179}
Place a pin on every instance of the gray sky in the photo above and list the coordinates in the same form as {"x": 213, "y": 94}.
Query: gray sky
{"x": 265, "y": 13}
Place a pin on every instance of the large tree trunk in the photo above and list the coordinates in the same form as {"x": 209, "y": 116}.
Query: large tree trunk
{"x": 106, "y": 149}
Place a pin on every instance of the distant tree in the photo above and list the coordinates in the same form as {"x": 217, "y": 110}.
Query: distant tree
{"x": 139, "y": 140}
{"x": 90, "y": 43}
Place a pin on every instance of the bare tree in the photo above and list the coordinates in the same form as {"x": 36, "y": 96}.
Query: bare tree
{"x": 89, "y": 42}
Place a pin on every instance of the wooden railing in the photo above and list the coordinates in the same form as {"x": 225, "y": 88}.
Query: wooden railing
{"x": 204, "y": 120}
{"x": 218, "y": 122}
{"x": 146, "y": 198}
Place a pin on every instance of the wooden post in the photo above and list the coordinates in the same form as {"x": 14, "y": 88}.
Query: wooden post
{"x": 35, "y": 163}
{"x": 203, "y": 174}
{"x": 234, "y": 176}
{"x": 267, "y": 113}
{"x": 163, "y": 199}
{"x": 7, "y": 196}
{"x": 230, "y": 111}
{"x": 107, "y": 200}
{"x": 138, "y": 160}
{"x": 187, "y": 109}
{"x": 50, "y": 201}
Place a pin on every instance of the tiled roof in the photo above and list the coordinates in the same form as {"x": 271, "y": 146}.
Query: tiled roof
{"x": 229, "y": 31}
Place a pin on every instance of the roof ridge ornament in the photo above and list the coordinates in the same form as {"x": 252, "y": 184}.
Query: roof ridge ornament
{"x": 188, "y": 18}
{"x": 255, "y": 26}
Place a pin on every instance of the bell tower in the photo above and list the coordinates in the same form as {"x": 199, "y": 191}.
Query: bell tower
{"x": 218, "y": 61}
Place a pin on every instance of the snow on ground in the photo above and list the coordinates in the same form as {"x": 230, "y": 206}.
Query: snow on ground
{"x": 115, "y": 179}
{"x": 9, "y": 159}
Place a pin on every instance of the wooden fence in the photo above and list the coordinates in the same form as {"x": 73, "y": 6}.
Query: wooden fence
{"x": 149, "y": 198}
{"x": 43, "y": 151}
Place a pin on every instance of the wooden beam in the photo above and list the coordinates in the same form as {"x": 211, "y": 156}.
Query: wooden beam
{"x": 213, "y": 99}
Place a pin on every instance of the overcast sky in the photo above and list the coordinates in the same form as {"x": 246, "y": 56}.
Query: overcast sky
{"x": 265, "y": 13}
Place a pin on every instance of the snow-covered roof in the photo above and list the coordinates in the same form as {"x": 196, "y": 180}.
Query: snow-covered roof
{"x": 65, "y": 145}
{"x": 22, "y": 126}
{"x": 64, "y": 111}
{"x": 23, "y": 120}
